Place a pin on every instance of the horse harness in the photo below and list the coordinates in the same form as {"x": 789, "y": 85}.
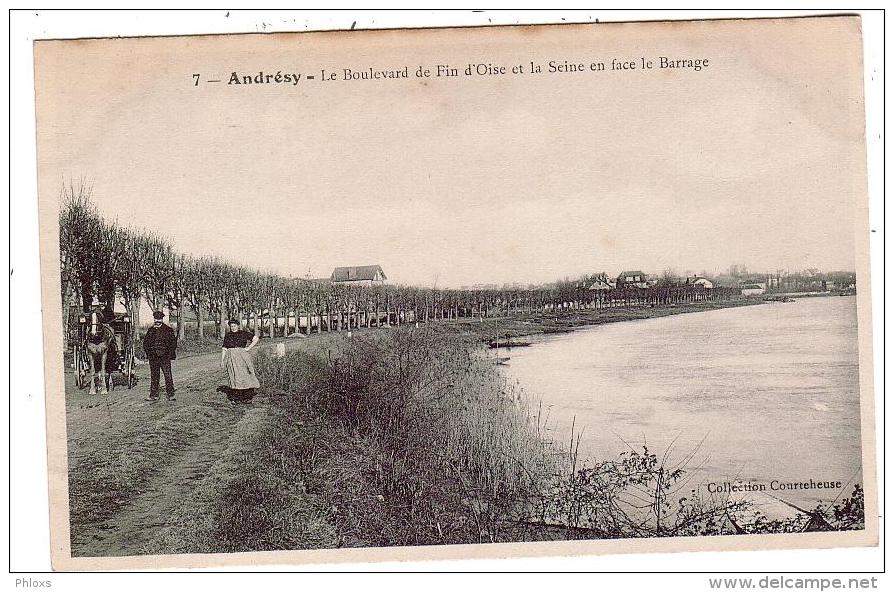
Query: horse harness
{"x": 98, "y": 331}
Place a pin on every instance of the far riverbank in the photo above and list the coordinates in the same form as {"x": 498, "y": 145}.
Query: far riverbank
{"x": 498, "y": 329}
{"x": 513, "y": 329}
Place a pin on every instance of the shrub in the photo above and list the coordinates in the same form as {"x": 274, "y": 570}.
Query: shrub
{"x": 447, "y": 443}
{"x": 636, "y": 495}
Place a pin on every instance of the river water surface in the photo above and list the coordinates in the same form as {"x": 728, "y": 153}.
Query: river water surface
{"x": 759, "y": 393}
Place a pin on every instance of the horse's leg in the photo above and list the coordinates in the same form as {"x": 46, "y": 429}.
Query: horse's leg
{"x": 92, "y": 370}
{"x": 103, "y": 376}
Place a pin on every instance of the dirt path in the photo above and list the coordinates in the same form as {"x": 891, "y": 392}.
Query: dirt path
{"x": 131, "y": 530}
{"x": 132, "y": 462}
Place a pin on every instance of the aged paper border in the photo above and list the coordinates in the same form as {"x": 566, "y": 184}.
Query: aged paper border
{"x": 57, "y": 441}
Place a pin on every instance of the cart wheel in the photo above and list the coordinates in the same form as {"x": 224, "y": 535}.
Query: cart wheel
{"x": 129, "y": 369}
{"x": 79, "y": 368}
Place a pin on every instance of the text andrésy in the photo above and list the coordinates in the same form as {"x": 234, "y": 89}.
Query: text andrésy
{"x": 262, "y": 78}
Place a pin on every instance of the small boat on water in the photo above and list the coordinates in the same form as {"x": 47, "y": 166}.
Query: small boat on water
{"x": 507, "y": 344}
{"x": 552, "y": 330}
{"x": 781, "y": 298}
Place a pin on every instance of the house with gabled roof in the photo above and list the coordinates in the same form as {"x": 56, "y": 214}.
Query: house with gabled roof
{"x": 698, "y": 280}
{"x": 632, "y": 279}
{"x": 602, "y": 282}
{"x": 364, "y": 275}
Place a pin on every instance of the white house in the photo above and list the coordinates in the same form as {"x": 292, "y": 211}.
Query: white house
{"x": 753, "y": 289}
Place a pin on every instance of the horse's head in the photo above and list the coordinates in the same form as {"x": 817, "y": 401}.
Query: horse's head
{"x": 95, "y": 323}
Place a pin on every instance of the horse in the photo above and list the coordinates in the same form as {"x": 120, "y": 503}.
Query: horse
{"x": 98, "y": 339}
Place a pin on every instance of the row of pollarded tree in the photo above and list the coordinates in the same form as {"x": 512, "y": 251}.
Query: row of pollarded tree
{"x": 105, "y": 260}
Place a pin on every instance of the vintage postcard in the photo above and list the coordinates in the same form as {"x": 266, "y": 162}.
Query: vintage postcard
{"x": 453, "y": 293}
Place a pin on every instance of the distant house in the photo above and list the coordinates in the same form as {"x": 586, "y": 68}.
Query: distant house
{"x": 753, "y": 289}
{"x": 363, "y": 275}
{"x": 632, "y": 279}
{"x": 703, "y": 282}
{"x": 602, "y": 282}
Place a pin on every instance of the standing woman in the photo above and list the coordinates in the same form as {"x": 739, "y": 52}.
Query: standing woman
{"x": 236, "y": 359}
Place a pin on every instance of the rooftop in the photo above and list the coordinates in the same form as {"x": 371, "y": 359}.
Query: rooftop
{"x": 358, "y": 273}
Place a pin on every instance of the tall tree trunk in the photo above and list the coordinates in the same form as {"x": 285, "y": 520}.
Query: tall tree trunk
{"x": 133, "y": 309}
{"x": 86, "y": 297}
{"x": 68, "y": 296}
{"x": 200, "y": 321}
{"x": 66, "y": 322}
{"x": 181, "y": 322}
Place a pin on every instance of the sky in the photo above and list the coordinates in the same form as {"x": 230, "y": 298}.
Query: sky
{"x": 756, "y": 160}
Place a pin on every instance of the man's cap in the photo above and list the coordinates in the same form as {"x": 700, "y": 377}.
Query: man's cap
{"x": 158, "y": 315}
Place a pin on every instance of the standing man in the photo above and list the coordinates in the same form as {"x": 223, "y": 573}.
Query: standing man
{"x": 160, "y": 345}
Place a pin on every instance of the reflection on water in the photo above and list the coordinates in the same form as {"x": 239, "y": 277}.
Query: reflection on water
{"x": 773, "y": 390}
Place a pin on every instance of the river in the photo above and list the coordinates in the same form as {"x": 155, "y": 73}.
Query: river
{"x": 758, "y": 393}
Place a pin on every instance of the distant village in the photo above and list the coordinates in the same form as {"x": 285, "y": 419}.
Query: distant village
{"x": 737, "y": 277}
